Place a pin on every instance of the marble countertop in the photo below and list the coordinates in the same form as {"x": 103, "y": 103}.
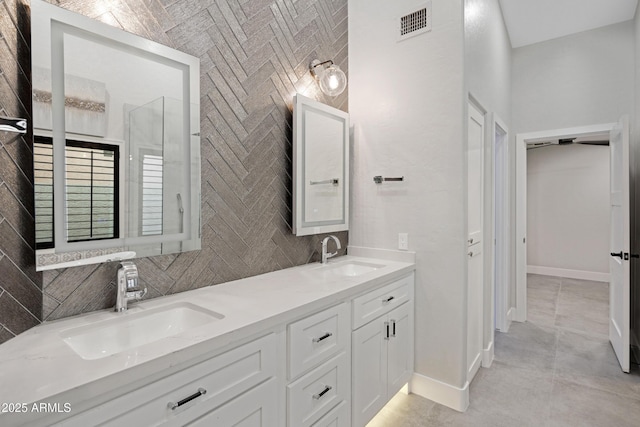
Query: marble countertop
{"x": 38, "y": 366}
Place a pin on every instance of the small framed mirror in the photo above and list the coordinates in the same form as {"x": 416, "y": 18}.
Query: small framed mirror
{"x": 320, "y": 168}
{"x": 116, "y": 142}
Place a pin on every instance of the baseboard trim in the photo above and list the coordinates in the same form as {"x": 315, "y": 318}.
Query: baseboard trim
{"x": 487, "y": 356}
{"x": 570, "y": 274}
{"x": 439, "y": 392}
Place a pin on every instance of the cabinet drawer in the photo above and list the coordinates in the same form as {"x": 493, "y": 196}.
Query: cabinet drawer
{"x": 195, "y": 390}
{"x": 316, "y": 338}
{"x": 380, "y": 301}
{"x": 256, "y": 408}
{"x": 337, "y": 417}
{"x": 313, "y": 395}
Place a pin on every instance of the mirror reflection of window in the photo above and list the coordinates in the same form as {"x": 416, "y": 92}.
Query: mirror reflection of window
{"x": 151, "y": 202}
{"x": 92, "y": 189}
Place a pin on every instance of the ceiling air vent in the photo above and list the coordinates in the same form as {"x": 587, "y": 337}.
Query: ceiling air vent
{"x": 415, "y": 23}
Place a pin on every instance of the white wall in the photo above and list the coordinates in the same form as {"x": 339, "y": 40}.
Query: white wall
{"x": 568, "y": 207}
{"x": 488, "y": 78}
{"x": 406, "y": 101}
{"x": 488, "y": 56}
{"x": 577, "y": 80}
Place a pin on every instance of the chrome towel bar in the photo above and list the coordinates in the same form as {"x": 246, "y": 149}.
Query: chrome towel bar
{"x": 380, "y": 179}
{"x": 10, "y": 124}
{"x": 334, "y": 181}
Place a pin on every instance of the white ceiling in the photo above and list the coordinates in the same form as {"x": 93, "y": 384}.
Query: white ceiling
{"x": 533, "y": 21}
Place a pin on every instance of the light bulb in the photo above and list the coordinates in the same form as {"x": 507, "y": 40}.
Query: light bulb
{"x": 333, "y": 81}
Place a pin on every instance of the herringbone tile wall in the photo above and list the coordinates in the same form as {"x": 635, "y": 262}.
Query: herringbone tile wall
{"x": 20, "y": 285}
{"x": 254, "y": 56}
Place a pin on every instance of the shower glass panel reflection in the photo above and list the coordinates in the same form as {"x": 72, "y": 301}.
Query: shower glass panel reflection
{"x": 154, "y": 172}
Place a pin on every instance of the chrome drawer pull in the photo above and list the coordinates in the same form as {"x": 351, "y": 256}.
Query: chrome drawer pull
{"x": 388, "y": 299}
{"x": 187, "y": 399}
{"x": 393, "y": 323}
{"x": 324, "y": 337}
{"x": 322, "y": 393}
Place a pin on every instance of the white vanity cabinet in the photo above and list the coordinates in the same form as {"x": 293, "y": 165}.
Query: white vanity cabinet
{"x": 238, "y": 387}
{"x": 319, "y": 348}
{"x": 326, "y": 349}
{"x": 382, "y": 348}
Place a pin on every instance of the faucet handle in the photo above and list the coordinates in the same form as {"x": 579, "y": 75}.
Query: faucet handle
{"x": 137, "y": 294}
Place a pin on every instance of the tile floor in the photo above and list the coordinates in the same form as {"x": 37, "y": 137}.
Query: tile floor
{"x": 556, "y": 369}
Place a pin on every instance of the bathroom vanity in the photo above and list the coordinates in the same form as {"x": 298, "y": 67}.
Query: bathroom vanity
{"x": 314, "y": 345}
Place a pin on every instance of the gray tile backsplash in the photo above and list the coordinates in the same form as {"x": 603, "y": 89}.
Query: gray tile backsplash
{"x": 254, "y": 56}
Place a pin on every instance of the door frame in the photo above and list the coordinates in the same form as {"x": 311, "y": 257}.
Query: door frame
{"x": 520, "y": 214}
{"x": 499, "y": 311}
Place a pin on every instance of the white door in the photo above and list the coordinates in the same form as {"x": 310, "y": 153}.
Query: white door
{"x": 619, "y": 287}
{"x": 400, "y": 359}
{"x": 475, "y": 271}
{"x": 369, "y": 370}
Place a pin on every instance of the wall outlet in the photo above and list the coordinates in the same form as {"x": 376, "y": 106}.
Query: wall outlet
{"x": 403, "y": 241}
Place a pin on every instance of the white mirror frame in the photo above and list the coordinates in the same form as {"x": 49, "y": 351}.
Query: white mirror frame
{"x": 60, "y": 21}
{"x": 300, "y": 227}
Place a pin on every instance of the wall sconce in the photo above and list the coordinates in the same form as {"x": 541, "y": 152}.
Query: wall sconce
{"x": 330, "y": 77}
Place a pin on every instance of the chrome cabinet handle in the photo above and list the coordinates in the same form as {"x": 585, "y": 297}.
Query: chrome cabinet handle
{"x": 386, "y": 326}
{"x": 322, "y": 393}
{"x": 470, "y": 254}
{"x": 393, "y": 328}
{"x": 324, "y": 337}
{"x": 388, "y": 299}
{"x": 175, "y": 405}
{"x": 470, "y": 240}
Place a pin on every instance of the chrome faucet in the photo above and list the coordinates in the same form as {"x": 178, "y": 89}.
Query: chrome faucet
{"x": 325, "y": 255}
{"x": 128, "y": 288}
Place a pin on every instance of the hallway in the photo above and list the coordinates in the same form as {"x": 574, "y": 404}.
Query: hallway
{"x": 556, "y": 369}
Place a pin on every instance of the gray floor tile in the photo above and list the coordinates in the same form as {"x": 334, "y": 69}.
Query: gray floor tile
{"x": 505, "y": 390}
{"x": 582, "y": 313}
{"x": 535, "y": 281}
{"x": 443, "y": 416}
{"x": 403, "y": 410}
{"x": 541, "y": 312}
{"x": 574, "y": 404}
{"x": 527, "y": 345}
{"x": 586, "y": 289}
{"x": 590, "y": 361}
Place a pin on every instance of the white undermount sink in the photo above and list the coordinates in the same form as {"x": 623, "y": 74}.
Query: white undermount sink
{"x": 349, "y": 268}
{"x": 130, "y": 330}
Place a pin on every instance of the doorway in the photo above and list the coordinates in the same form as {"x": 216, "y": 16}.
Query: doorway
{"x": 619, "y": 214}
{"x": 520, "y": 238}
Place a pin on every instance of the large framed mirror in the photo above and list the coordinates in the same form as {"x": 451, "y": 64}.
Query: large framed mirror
{"x": 116, "y": 142}
{"x": 320, "y": 168}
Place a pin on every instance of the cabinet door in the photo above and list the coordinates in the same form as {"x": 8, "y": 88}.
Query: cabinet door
{"x": 369, "y": 370}
{"x": 400, "y": 348}
{"x": 256, "y": 408}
